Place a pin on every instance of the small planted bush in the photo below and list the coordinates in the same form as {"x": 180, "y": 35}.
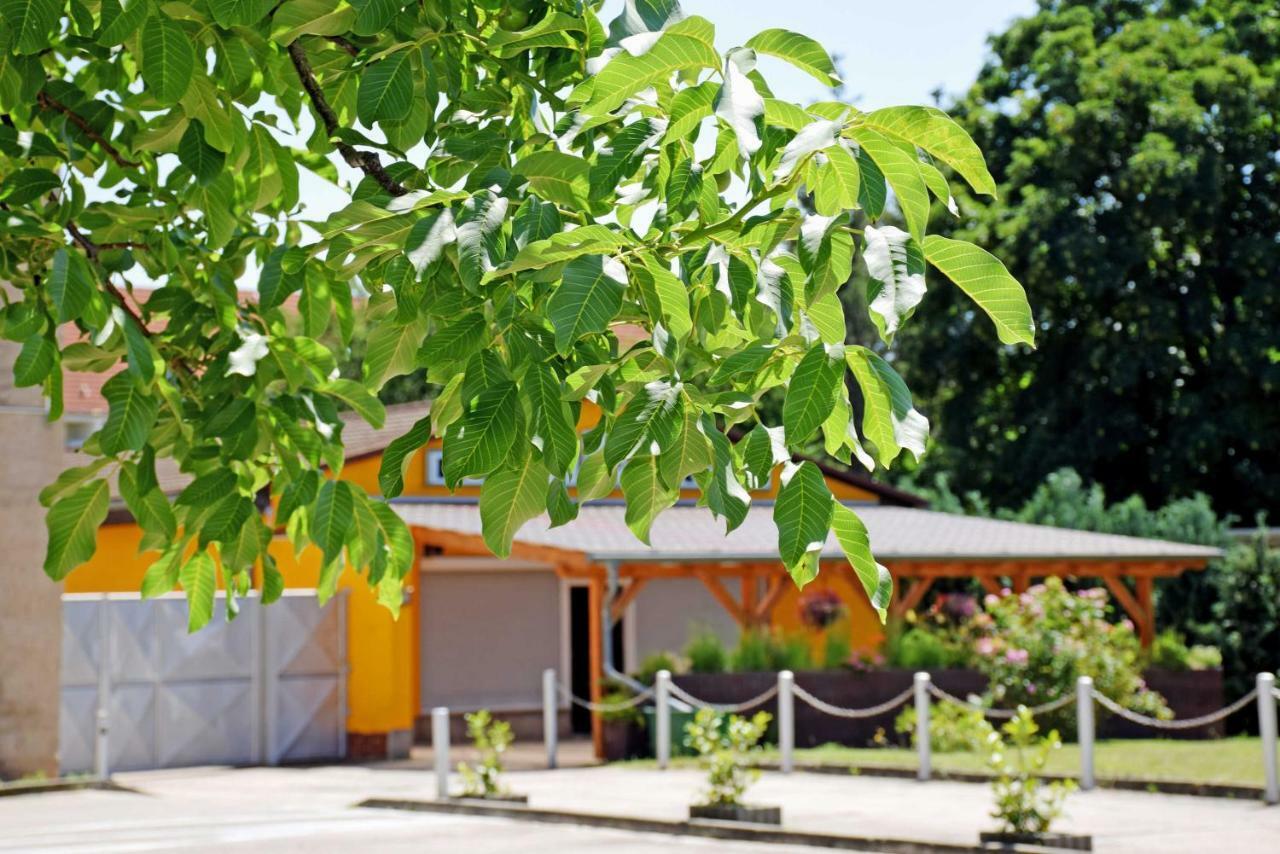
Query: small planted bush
{"x": 724, "y": 751}
{"x": 482, "y": 778}
{"x": 764, "y": 651}
{"x": 952, "y": 728}
{"x": 1024, "y": 802}
{"x": 707, "y": 653}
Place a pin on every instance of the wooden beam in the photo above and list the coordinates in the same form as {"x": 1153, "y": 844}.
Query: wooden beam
{"x": 913, "y": 596}
{"x": 777, "y": 589}
{"x": 712, "y": 583}
{"x": 1146, "y": 600}
{"x": 750, "y": 596}
{"x": 624, "y": 598}
{"x": 989, "y": 584}
{"x": 1131, "y": 605}
{"x": 595, "y": 656}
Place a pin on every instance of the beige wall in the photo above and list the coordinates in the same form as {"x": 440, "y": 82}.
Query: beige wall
{"x": 668, "y": 611}
{"x": 30, "y": 604}
{"x": 487, "y": 636}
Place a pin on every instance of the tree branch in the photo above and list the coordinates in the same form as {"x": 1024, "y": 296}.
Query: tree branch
{"x": 48, "y": 102}
{"x": 344, "y": 44}
{"x": 366, "y": 161}
{"x": 92, "y": 250}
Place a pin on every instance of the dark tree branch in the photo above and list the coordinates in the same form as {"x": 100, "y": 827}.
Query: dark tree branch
{"x": 48, "y": 102}
{"x": 366, "y": 161}
{"x": 92, "y": 250}
{"x": 344, "y": 44}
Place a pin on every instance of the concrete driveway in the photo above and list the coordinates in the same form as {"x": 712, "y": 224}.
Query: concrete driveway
{"x": 261, "y": 809}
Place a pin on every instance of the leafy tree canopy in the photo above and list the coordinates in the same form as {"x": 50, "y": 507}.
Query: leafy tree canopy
{"x": 548, "y": 210}
{"x": 1134, "y": 144}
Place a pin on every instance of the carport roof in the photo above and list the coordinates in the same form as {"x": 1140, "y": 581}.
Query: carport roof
{"x": 687, "y": 534}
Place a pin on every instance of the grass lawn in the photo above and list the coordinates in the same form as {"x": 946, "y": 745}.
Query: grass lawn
{"x": 1232, "y": 761}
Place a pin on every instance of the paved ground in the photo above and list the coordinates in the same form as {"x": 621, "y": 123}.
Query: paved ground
{"x": 275, "y": 809}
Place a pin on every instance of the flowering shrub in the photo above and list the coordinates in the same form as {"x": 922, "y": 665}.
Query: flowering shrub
{"x": 482, "y": 779}
{"x": 1024, "y": 802}
{"x": 952, "y": 728}
{"x": 1034, "y": 645}
{"x": 723, "y": 752}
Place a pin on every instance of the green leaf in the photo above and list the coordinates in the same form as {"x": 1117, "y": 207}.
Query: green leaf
{"x": 70, "y": 479}
{"x": 386, "y": 90}
{"x": 649, "y": 425}
{"x": 456, "y": 342}
{"x": 332, "y": 517}
{"x": 272, "y": 581}
{"x": 724, "y": 492}
{"x": 803, "y": 515}
{"x": 801, "y": 51}
{"x": 480, "y": 441}
{"x": 231, "y": 13}
{"x": 588, "y": 298}
{"x": 852, "y": 536}
{"x": 32, "y": 23}
{"x": 162, "y": 575}
{"x": 560, "y": 508}
{"x": 392, "y": 350}
{"x": 204, "y": 160}
{"x": 373, "y": 16}
{"x": 690, "y": 452}
{"x": 131, "y": 415}
{"x": 297, "y": 18}
{"x": 902, "y": 172}
{"x": 73, "y": 523}
{"x": 70, "y": 284}
{"x": 553, "y": 430}
{"x": 984, "y": 278}
{"x": 889, "y": 419}
{"x": 672, "y": 297}
{"x": 556, "y": 177}
{"x": 220, "y": 123}
{"x": 554, "y": 30}
{"x": 168, "y": 59}
{"x": 595, "y": 479}
{"x": 895, "y": 270}
{"x": 358, "y": 398}
{"x": 685, "y": 45}
{"x": 509, "y": 498}
{"x": 207, "y": 489}
{"x": 120, "y": 20}
{"x": 688, "y": 108}
{"x": 810, "y": 392}
{"x": 936, "y": 132}
{"x": 844, "y": 168}
{"x": 27, "y": 185}
{"x": 646, "y": 494}
{"x": 35, "y": 361}
{"x": 199, "y": 580}
{"x": 762, "y": 450}
{"x": 142, "y": 356}
{"x": 396, "y": 458}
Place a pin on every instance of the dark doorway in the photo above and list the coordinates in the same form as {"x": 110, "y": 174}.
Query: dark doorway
{"x": 580, "y": 654}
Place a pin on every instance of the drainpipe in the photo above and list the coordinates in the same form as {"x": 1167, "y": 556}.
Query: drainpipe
{"x": 606, "y": 637}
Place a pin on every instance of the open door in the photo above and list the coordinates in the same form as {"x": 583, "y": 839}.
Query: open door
{"x": 580, "y": 655}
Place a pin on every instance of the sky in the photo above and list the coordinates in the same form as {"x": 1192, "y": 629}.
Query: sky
{"x": 891, "y": 53}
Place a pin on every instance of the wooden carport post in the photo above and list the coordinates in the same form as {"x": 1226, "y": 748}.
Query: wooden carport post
{"x": 595, "y": 645}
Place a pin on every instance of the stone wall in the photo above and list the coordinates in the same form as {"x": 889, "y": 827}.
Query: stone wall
{"x": 30, "y": 604}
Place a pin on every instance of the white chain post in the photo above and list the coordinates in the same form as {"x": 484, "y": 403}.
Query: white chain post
{"x": 102, "y": 715}
{"x": 662, "y": 717}
{"x": 786, "y": 720}
{"x": 1267, "y": 731}
{"x": 922, "y": 724}
{"x": 440, "y": 747}
{"x": 550, "y": 727}
{"x": 1084, "y": 728}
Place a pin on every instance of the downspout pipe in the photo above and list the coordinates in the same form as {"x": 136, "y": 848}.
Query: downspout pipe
{"x": 613, "y": 585}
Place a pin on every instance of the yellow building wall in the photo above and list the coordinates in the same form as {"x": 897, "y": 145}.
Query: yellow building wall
{"x": 865, "y": 631}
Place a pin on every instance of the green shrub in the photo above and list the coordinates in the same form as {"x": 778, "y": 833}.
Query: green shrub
{"x": 723, "y": 752}
{"x": 1035, "y": 645}
{"x": 952, "y": 728}
{"x": 706, "y": 653}
{"x": 762, "y": 651}
{"x": 837, "y": 650}
{"x": 1247, "y": 613}
{"x": 1169, "y": 651}
{"x": 481, "y": 779}
{"x": 918, "y": 649}
{"x": 1024, "y": 802}
{"x": 654, "y": 662}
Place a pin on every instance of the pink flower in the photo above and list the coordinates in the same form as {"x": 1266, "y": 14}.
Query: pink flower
{"x": 985, "y": 646}
{"x": 1017, "y": 656}
{"x": 990, "y": 600}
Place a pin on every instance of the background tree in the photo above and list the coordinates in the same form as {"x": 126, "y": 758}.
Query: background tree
{"x": 528, "y": 192}
{"x": 1135, "y": 148}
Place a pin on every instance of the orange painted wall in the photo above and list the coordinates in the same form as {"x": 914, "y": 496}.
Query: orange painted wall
{"x": 865, "y": 631}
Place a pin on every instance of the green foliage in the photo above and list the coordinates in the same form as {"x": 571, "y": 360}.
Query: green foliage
{"x": 1247, "y": 613}
{"x": 837, "y": 649}
{"x": 1133, "y": 147}
{"x": 952, "y": 728}
{"x": 764, "y": 650}
{"x": 655, "y": 661}
{"x": 706, "y": 653}
{"x": 522, "y": 184}
{"x": 1033, "y": 647}
{"x": 920, "y": 648}
{"x": 1024, "y": 802}
{"x": 1169, "y": 651}
{"x": 491, "y": 738}
{"x": 724, "y": 751}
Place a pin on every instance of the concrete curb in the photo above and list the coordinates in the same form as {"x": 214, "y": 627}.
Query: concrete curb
{"x": 703, "y": 828}
{"x": 40, "y": 787}
{"x": 1165, "y": 787}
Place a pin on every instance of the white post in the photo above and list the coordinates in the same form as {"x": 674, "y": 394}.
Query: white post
{"x": 550, "y": 730}
{"x": 1267, "y": 731}
{"x": 662, "y": 716}
{"x": 102, "y": 715}
{"x": 922, "y": 724}
{"x": 1084, "y": 729}
{"x": 786, "y": 720}
{"x": 440, "y": 747}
